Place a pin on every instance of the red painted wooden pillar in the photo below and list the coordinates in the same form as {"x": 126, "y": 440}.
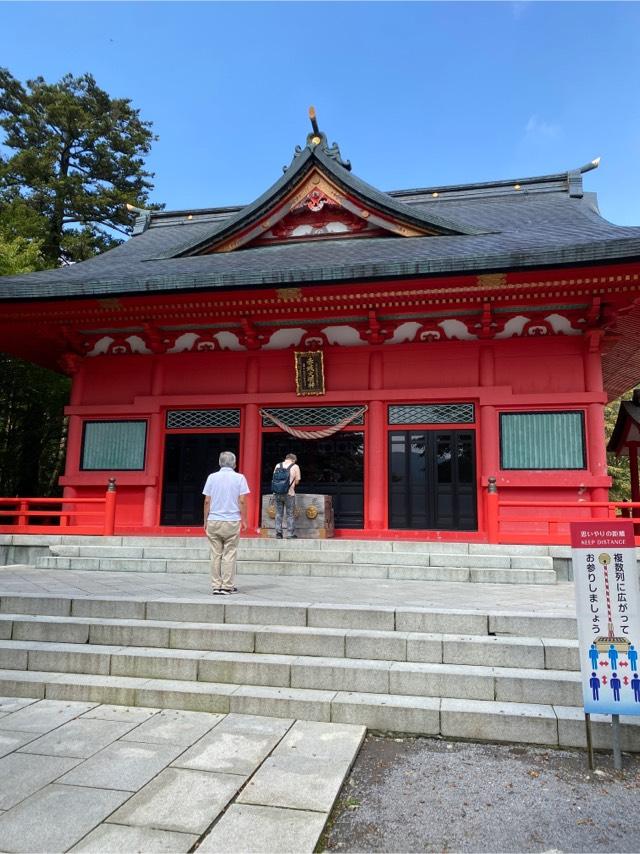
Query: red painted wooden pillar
{"x": 489, "y": 445}
{"x": 596, "y": 445}
{"x": 376, "y": 479}
{"x": 250, "y": 448}
{"x": 151, "y": 492}
{"x": 375, "y": 485}
{"x": 635, "y": 480}
{"x": 74, "y": 429}
{"x": 151, "y": 501}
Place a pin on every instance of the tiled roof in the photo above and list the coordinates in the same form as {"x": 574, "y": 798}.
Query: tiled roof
{"x": 492, "y": 226}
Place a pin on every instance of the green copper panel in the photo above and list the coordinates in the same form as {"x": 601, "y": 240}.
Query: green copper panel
{"x": 542, "y": 440}
{"x": 114, "y": 445}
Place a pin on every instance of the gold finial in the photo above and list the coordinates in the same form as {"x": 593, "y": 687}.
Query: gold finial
{"x": 316, "y": 139}
{"x": 314, "y": 121}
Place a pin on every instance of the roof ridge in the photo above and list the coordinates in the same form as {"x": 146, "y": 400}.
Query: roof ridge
{"x": 555, "y": 177}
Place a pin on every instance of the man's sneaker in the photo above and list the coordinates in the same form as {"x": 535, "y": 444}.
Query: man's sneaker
{"x": 278, "y": 536}
{"x": 216, "y": 591}
{"x": 293, "y": 537}
{"x": 225, "y": 592}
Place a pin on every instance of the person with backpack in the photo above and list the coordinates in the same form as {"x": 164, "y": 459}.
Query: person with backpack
{"x": 286, "y": 476}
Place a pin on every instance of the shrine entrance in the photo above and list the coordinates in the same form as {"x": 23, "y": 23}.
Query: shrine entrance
{"x": 188, "y": 459}
{"x": 432, "y": 480}
{"x": 333, "y": 466}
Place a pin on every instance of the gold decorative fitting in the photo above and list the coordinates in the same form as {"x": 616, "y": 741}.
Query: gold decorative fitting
{"x": 312, "y": 512}
{"x": 110, "y": 303}
{"x": 492, "y": 280}
{"x": 516, "y": 186}
{"x": 316, "y": 140}
{"x": 190, "y": 216}
{"x": 435, "y": 195}
{"x": 288, "y": 294}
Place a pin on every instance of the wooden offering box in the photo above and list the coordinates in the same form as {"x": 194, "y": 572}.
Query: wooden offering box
{"x": 314, "y": 517}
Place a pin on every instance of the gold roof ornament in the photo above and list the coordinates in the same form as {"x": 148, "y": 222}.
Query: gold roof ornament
{"x": 316, "y": 139}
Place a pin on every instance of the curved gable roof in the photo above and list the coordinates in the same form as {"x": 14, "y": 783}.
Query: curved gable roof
{"x": 317, "y": 158}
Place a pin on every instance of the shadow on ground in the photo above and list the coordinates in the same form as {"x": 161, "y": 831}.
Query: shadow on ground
{"x": 421, "y": 794}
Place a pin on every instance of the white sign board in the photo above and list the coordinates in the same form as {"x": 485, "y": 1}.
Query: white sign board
{"x": 607, "y": 606}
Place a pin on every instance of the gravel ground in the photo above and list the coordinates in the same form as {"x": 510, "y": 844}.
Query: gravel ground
{"x": 422, "y": 794}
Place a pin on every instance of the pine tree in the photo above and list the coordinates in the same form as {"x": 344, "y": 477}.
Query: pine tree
{"x": 76, "y": 160}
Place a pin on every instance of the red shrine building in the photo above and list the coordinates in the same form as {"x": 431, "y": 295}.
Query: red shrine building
{"x": 408, "y": 346}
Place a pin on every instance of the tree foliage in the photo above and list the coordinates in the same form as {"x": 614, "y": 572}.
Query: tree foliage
{"x": 32, "y": 428}
{"x": 76, "y": 159}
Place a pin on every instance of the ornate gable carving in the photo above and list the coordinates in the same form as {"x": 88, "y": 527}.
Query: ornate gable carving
{"x": 315, "y": 209}
{"x": 317, "y": 216}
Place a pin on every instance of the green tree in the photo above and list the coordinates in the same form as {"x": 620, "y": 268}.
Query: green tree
{"x": 32, "y": 399}
{"x": 18, "y": 255}
{"x": 32, "y": 428}
{"x": 76, "y": 159}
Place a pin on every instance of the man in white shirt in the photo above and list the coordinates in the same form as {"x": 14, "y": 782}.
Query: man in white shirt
{"x": 286, "y": 504}
{"x": 225, "y": 515}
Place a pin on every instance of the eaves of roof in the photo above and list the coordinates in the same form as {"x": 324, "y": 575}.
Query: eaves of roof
{"x": 242, "y": 269}
{"x": 628, "y": 411}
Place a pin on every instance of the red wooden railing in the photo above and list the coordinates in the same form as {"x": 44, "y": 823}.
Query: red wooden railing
{"x": 60, "y": 515}
{"x": 547, "y": 522}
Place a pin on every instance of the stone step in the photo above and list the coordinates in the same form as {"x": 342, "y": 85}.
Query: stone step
{"x": 443, "y": 571}
{"x": 390, "y": 646}
{"x": 280, "y": 550}
{"x": 338, "y": 543}
{"x": 457, "y": 681}
{"x": 300, "y": 554}
{"x": 484, "y": 720}
{"x": 282, "y": 645}
{"x": 428, "y": 665}
{"x": 320, "y": 615}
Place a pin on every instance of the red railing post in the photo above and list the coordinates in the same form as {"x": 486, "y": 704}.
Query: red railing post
{"x": 23, "y": 518}
{"x": 110, "y": 508}
{"x": 492, "y": 510}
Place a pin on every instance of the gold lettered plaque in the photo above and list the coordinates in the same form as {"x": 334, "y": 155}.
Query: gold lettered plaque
{"x": 309, "y": 373}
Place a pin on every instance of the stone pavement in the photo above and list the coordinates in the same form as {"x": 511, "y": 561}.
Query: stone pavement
{"x": 80, "y": 776}
{"x": 556, "y": 599}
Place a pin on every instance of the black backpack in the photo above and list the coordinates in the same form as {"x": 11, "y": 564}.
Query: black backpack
{"x": 280, "y": 482}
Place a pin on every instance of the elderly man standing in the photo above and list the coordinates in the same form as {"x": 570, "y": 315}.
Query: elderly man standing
{"x": 225, "y": 515}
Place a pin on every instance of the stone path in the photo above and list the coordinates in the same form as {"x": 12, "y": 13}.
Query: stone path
{"x": 89, "y": 777}
{"x": 521, "y": 598}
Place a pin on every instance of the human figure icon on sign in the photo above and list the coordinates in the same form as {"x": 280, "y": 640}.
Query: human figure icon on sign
{"x": 613, "y": 657}
{"x": 594, "y": 655}
{"x": 615, "y": 684}
{"x": 635, "y": 686}
{"x": 632, "y": 655}
{"x": 594, "y": 683}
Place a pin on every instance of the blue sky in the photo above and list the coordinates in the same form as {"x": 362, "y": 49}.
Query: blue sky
{"x": 416, "y": 94}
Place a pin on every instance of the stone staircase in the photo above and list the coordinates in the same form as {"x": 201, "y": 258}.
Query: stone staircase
{"x": 478, "y": 675}
{"x": 401, "y": 560}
